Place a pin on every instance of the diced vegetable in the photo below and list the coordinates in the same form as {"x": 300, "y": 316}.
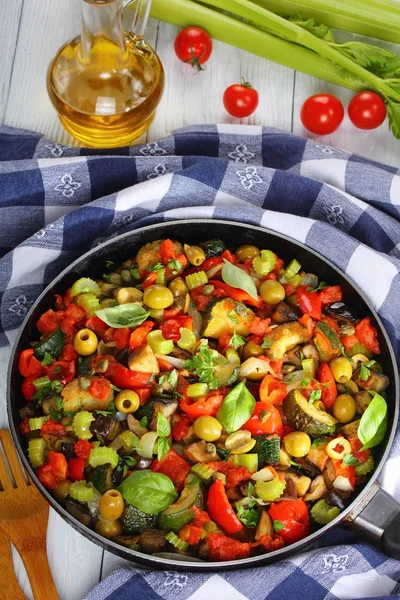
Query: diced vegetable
{"x": 304, "y": 416}
{"x": 270, "y": 490}
{"x": 81, "y": 491}
{"x": 268, "y": 449}
{"x": 249, "y": 461}
{"x": 53, "y": 345}
{"x": 196, "y": 279}
{"x": 102, "y": 456}
{"x": 175, "y": 541}
{"x": 36, "y": 451}
{"x": 219, "y": 319}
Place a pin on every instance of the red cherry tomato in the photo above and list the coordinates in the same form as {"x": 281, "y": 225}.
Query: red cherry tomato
{"x": 367, "y": 110}
{"x": 240, "y": 100}
{"x": 322, "y": 114}
{"x": 193, "y": 46}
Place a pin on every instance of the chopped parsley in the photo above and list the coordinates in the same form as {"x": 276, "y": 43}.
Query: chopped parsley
{"x": 315, "y": 395}
{"x": 233, "y": 316}
{"x": 350, "y": 460}
{"x": 203, "y": 365}
{"x": 364, "y": 369}
{"x": 175, "y": 266}
{"x": 278, "y": 525}
{"x": 48, "y": 359}
{"x": 237, "y": 340}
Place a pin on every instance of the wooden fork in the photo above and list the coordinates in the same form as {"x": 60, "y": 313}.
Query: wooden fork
{"x": 24, "y": 515}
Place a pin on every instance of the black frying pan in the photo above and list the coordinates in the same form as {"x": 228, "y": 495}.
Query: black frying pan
{"x": 373, "y": 513}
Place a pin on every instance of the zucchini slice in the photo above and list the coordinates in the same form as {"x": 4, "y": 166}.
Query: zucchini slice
{"x": 213, "y": 247}
{"x": 228, "y": 316}
{"x": 268, "y": 449}
{"x": 53, "y": 344}
{"x": 303, "y": 416}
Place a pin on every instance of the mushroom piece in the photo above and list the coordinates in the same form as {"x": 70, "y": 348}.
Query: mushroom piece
{"x": 144, "y": 360}
{"x": 201, "y": 452}
{"x": 378, "y": 382}
{"x": 284, "y": 313}
{"x": 166, "y": 408}
{"x": 293, "y": 357}
{"x": 318, "y": 489}
{"x": 363, "y": 400}
{"x": 264, "y": 526}
{"x": 134, "y": 425}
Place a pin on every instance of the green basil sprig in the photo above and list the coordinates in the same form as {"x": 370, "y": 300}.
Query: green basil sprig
{"x": 149, "y": 492}
{"x": 163, "y": 431}
{"x": 373, "y": 424}
{"x": 237, "y": 408}
{"x": 238, "y": 278}
{"x": 123, "y": 315}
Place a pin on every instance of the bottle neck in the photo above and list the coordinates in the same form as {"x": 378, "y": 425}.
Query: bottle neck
{"x": 101, "y": 19}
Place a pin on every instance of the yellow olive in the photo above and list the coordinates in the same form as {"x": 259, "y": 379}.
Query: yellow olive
{"x": 297, "y": 443}
{"x": 341, "y": 369}
{"x": 85, "y": 342}
{"x": 195, "y": 255}
{"x": 272, "y": 291}
{"x": 207, "y": 428}
{"x": 127, "y": 401}
{"x": 158, "y": 296}
{"x": 251, "y": 349}
{"x": 344, "y": 408}
{"x": 111, "y": 505}
{"x": 178, "y": 287}
{"x": 129, "y": 294}
{"x": 247, "y": 251}
{"x": 62, "y": 490}
{"x": 338, "y": 448}
{"x": 108, "y": 529}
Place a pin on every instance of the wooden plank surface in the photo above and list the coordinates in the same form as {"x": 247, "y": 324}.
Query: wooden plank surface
{"x": 8, "y": 41}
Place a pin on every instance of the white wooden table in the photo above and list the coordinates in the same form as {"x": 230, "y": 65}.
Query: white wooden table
{"x": 31, "y": 31}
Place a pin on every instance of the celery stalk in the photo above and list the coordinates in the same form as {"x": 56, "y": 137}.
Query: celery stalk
{"x": 374, "y": 18}
{"x": 227, "y": 29}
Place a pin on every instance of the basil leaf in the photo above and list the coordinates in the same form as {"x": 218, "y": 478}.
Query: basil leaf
{"x": 149, "y": 492}
{"x": 350, "y": 460}
{"x": 163, "y": 427}
{"x": 278, "y": 525}
{"x": 238, "y": 278}
{"x": 237, "y": 408}
{"x": 373, "y": 424}
{"x": 123, "y": 315}
{"x": 162, "y": 448}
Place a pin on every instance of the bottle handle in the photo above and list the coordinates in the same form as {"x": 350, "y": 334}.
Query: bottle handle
{"x": 142, "y": 11}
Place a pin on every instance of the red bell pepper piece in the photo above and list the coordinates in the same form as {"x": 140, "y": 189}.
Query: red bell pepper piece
{"x": 125, "y": 379}
{"x": 222, "y": 547}
{"x": 272, "y": 391}
{"x": 173, "y": 466}
{"x": 24, "y": 426}
{"x": 309, "y": 302}
{"x": 227, "y": 255}
{"x": 329, "y": 388}
{"x": 121, "y": 337}
{"x": 356, "y": 445}
{"x": 144, "y": 394}
{"x": 139, "y": 335}
{"x": 259, "y": 326}
{"x": 181, "y": 428}
{"x": 28, "y": 365}
{"x": 266, "y": 419}
{"x": 171, "y": 327}
{"x": 61, "y": 371}
{"x": 201, "y": 517}
{"x": 211, "y": 262}
{"x": 96, "y": 325}
{"x": 53, "y": 428}
{"x": 150, "y": 280}
{"x": 167, "y": 251}
{"x": 347, "y": 471}
{"x": 289, "y": 289}
{"x": 220, "y": 509}
{"x": 100, "y": 388}
{"x": 82, "y": 448}
{"x": 69, "y": 354}
{"x": 209, "y": 405}
{"x": 368, "y": 335}
{"x": 331, "y": 294}
{"x": 28, "y": 389}
{"x": 236, "y": 475}
{"x": 53, "y": 471}
{"x": 75, "y": 469}
{"x": 293, "y": 514}
{"x": 201, "y": 300}
{"x": 67, "y": 297}
{"x": 191, "y": 534}
{"x": 223, "y": 290}
{"x": 308, "y": 323}
{"x": 49, "y": 321}
{"x": 75, "y": 312}
{"x": 68, "y": 326}
{"x": 349, "y": 341}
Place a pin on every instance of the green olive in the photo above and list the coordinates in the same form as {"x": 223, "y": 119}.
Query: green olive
{"x": 251, "y": 349}
{"x": 344, "y": 408}
{"x": 127, "y": 401}
{"x": 62, "y": 490}
{"x": 297, "y": 443}
{"x": 207, "y": 428}
{"x": 108, "y": 529}
{"x": 195, "y": 255}
{"x": 341, "y": 369}
{"x": 178, "y": 287}
{"x": 272, "y": 291}
{"x": 129, "y": 294}
{"x": 158, "y": 296}
{"x": 111, "y": 505}
{"x": 85, "y": 342}
{"x": 247, "y": 251}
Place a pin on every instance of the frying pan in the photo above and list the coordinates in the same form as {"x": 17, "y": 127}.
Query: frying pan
{"x": 373, "y": 513}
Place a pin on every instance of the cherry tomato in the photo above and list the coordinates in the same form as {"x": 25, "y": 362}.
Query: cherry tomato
{"x": 367, "y": 110}
{"x": 193, "y": 46}
{"x": 322, "y": 114}
{"x": 240, "y": 99}
{"x": 265, "y": 419}
{"x": 293, "y": 519}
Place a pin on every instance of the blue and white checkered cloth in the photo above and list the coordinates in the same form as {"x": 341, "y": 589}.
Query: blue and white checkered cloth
{"x": 57, "y": 202}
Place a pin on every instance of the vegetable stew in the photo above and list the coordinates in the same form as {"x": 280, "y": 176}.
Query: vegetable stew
{"x": 201, "y": 400}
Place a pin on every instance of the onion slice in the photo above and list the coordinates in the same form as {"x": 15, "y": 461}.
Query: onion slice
{"x": 178, "y": 363}
{"x": 145, "y": 447}
{"x": 256, "y": 364}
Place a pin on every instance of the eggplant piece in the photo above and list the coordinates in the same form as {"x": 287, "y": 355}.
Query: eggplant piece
{"x": 318, "y": 489}
{"x": 341, "y": 312}
{"x": 79, "y": 511}
{"x": 142, "y": 463}
{"x": 264, "y": 526}
{"x": 293, "y": 357}
{"x": 134, "y": 425}
{"x": 335, "y": 498}
{"x": 310, "y": 351}
{"x": 55, "y": 442}
{"x": 179, "y": 353}
{"x": 308, "y": 468}
{"x": 378, "y": 382}
{"x": 67, "y": 448}
{"x": 153, "y": 540}
{"x": 234, "y": 494}
{"x": 363, "y": 400}
{"x": 105, "y": 426}
{"x": 129, "y": 541}
{"x": 285, "y": 313}
{"x": 75, "y": 398}
{"x": 201, "y": 452}
{"x": 123, "y": 356}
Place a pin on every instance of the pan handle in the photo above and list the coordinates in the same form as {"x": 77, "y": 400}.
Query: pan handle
{"x": 378, "y": 520}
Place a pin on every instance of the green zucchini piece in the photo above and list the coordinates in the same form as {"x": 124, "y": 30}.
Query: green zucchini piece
{"x": 179, "y": 514}
{"x": 100, "y": 478}
{"x": 53, "y": 344}
{"x": 359, "y": 349}
{"x": 332, "y": 337}
{"x": 303, "y": 416}
{"x": 322, "y": 513}
{"x": 134, "y": 520}
{"x": 268, "y": 449}
{"x": 250, "y": 461}
{"x": 84, "y": 366}
{"x": 218, "y": 321}
{"x": 213, "y": 247}
{"x": 175, "y": 521}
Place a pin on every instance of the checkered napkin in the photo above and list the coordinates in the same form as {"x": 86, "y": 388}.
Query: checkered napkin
{"x": 57, "y": 202}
